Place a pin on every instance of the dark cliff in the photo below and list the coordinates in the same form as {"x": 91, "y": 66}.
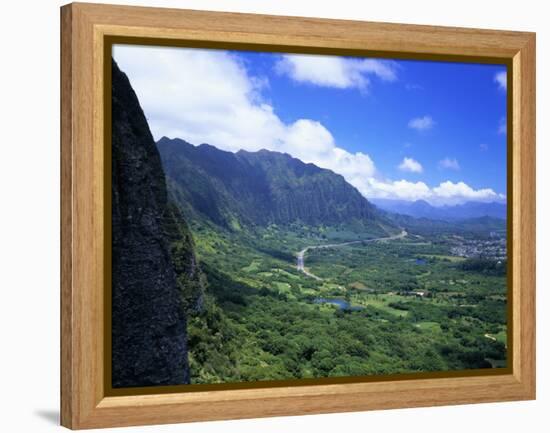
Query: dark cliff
{"x": 153, "y": 265}
{"x": 259, "y": 188}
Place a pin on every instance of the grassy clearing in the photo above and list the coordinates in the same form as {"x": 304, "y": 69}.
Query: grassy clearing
{"x": 500, "y": 336}
{"x": 381, "y": 302}
{"x": 453, "y": 259}
{"x": 282, "y": 272}
{"x": 429, "y": 326}
{"x": 282, "y": 287}
{"x": 254, "y": 266}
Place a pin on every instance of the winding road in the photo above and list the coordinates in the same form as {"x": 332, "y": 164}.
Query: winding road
{"x": 300, "y": 259}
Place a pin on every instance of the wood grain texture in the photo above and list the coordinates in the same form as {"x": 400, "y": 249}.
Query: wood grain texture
{"x": 84, "y": 29}
{"x": 67, "y": 394}
{"x": 524, "y": 215}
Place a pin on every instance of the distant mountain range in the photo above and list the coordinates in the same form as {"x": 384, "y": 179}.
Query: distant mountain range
{"x": 260, "y": 188}
{"x": 423, "y": 209}
{"x": 241, "y": 189}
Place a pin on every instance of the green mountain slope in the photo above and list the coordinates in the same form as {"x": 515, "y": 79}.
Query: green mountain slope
{"x": 260, "y": 188}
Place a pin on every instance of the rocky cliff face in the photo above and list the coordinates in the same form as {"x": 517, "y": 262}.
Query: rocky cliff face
{"x": 152, "y": 256}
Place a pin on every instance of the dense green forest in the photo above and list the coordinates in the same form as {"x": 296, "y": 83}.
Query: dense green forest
{"x": 378, "y": 293}
{"x": 408, "y": 307}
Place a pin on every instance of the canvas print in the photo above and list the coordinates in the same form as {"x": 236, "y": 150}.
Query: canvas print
{"x": 281, "y": 216}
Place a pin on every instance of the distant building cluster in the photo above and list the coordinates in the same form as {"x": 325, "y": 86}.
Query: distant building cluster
{"x": 494, "y": 248}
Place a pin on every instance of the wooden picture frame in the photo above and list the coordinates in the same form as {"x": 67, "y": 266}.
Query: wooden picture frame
{"x": 85, "y": 33}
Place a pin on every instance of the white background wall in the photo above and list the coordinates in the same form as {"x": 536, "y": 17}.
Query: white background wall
{"x": 29, "y": 216}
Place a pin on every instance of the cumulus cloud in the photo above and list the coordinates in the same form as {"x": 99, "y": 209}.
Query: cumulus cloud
{"x": 446, "y": 193}
{"x": 410, "y": 165}
{"x": 310, "y": 141}
{"x": 422, "y": 123}
{"x": 333, "y": 71}
{"x": 449, "y": 163}
{"x": 398, "y": 189}
{"x": 450, "y": 190}
{"x": 208, "y": 96}
{"x": 501, "y": 80}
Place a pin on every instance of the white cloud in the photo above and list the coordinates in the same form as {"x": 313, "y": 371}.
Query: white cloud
{"x": 397, "y": 189}
{"x": 449, "y": 163}
{"x": 422, "y": 123}
{"x": 410, "y": 165}
{"x": 333, "y": 71}
{"x": 198, "y": 95}
{"x": 449, "y": 190}
{"x": 484, "y": 147}
{"x": 446, "y": 193}
{"x": 310, "y": 141}
{"x": 208, "y": 96}
{"x": 501, "y": 80}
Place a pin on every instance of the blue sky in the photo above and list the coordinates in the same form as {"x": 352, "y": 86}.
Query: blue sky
{"x": 393, "y": 128}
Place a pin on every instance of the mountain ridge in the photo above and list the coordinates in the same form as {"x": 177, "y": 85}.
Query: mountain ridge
{"x": 260, "y": 188}
{"x": 423, "y": 209}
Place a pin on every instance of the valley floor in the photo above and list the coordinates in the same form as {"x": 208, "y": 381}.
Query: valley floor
{"x": 300, "y": 263}
{"x": 363, "y": 306}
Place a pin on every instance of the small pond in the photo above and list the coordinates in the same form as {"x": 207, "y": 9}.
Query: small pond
{"x": 342, "y": 304}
